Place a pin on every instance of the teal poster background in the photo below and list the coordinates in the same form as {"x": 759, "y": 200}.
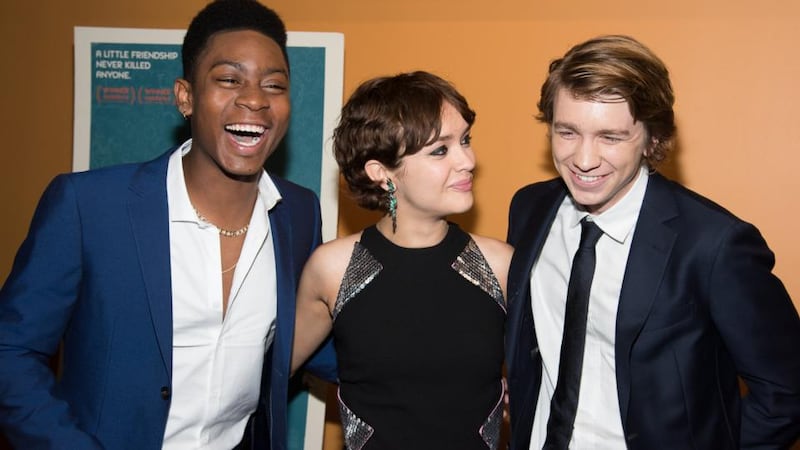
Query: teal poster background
{"x": 125, "y": 112}
{"x": 134, "y": 117}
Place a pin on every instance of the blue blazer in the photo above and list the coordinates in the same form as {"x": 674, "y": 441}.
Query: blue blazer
{"x": 95, "y": 271}
{"x": 699, "y": 305}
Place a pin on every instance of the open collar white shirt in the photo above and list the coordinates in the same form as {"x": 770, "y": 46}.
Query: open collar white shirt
{"x": 217, "y": 362}
{"x": 598, "y": 424}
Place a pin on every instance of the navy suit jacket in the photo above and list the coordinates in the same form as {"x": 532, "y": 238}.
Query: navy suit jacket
{"x": 95, "y": 271}
{"x": 699, "y": 305}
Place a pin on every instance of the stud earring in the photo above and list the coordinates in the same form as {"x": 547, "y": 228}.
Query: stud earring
{"x": 391, "y": 189}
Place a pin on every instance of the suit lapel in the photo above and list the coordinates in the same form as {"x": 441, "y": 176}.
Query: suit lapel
{"x": 149, "y": 217}
{"x": 528, "y": 238}
{"x": 532, "y": 234}
{"x": 281, "y": 241}
{"x": 650, "y": 251}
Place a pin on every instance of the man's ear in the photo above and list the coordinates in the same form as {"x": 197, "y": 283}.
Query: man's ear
{"x": 183, "y": 96}
{"x": 376, "y": 172}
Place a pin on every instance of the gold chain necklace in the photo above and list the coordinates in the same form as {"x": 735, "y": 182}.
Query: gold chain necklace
{"x": 230, "y": 268}
{"x": 222, "y": 231}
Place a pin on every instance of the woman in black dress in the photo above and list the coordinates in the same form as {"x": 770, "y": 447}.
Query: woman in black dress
{"x": 415, "y": 304}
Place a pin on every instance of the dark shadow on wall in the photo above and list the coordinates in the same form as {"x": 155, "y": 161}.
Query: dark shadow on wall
{"x": 671, "y": 167}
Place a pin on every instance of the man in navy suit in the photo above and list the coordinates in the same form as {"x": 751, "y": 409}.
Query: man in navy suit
{"x": 682, "y": 304}
{"x": 170, "y": 283}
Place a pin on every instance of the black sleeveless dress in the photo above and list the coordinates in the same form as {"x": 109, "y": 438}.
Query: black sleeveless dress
{"x": 419, "y": 339}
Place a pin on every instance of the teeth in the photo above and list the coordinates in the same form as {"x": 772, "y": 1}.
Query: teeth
{"x": 586, "y": 178}
{"x": 245, "y": 128}
{"x": 247, "y": 141}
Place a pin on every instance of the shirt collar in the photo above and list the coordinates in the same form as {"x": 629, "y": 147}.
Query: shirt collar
{"x": 180, "y": 207}
{"x": 618, "y": 221}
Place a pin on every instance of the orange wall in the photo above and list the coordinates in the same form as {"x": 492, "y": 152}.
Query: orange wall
{"x": 733, "y": 64}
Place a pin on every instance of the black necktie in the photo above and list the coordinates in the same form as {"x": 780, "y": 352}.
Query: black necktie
{"x": 565, "y": 398}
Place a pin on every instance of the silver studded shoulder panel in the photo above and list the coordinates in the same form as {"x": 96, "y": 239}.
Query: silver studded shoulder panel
{"x": 471, "y": 265}
{"x": 361, "y": 270}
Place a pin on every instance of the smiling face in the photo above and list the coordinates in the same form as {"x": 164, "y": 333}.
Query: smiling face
{"x": 437, "y": 180}
{"x": 598, "y": 149}
{"x": 238, "y": 102}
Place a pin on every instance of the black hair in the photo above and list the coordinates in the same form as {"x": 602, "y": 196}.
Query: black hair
{"x": 229, "y": 15}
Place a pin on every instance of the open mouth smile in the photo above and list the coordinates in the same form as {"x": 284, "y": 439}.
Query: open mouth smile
{"x": 247, "y": 135}
{"x": 588, "y": 178}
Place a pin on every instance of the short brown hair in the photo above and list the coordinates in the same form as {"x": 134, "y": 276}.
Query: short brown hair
{"x": 617, "y": 66}
{"x": 387, "y": 118}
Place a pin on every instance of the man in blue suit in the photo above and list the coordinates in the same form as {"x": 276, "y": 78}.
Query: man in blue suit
{"x": 170, "y": 283}
{"x": 681, "y": 298}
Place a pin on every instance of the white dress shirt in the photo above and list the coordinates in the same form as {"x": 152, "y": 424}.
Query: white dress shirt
{"x": 217, "y": 361}
{"x": 598, "y": 424}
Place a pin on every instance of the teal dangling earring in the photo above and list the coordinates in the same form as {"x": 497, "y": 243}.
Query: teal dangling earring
{"x": 391, "y": 189}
